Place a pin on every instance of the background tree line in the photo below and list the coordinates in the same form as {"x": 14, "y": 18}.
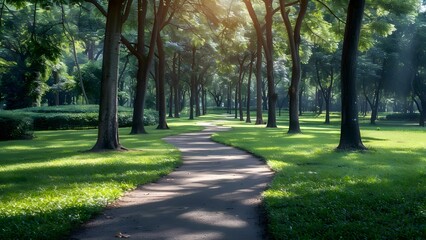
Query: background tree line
{"x": 185, "y": 55}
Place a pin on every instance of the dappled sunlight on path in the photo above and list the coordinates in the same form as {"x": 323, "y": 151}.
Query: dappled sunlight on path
{"x": 215, "y": 194}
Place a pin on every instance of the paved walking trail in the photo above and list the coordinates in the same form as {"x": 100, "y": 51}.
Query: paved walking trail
{"x": 215, "y": 194}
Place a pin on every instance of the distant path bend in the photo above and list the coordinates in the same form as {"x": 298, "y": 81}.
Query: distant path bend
{"x": 215, "y": 194}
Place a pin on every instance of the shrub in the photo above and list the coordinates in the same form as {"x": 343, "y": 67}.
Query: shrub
{"x": 75, "y": 117}
{"x": 15, "y": 127}
{"x": 403, "y": 117}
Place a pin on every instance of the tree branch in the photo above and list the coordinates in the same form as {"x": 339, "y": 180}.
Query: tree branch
{"x": 331, "y": 11}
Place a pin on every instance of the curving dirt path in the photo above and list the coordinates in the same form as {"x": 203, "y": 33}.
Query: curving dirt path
{"x": 215, "y": 194}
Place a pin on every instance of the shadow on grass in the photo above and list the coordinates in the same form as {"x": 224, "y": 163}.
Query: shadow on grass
{"x": 49, "y": 184}
{"x": 320, "y": 193}
{"x": 350, "y": 211}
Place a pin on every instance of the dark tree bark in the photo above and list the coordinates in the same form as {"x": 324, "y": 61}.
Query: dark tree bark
{"x": 176, "y": 87}
{"x": 420, "y": 105}
{"x": 143, "y": 68}
{"x": 241, "y": 74}
{"x": 375, "y": 101}
{"x": 192, "y": 85}
{"x": 170, "y": 100}
{"x": 228, "y": 104}
{"x": 325, "y": 92}
{"x": 259, "y": 117}
{"x": 267, "y": 44}
{"x": 248, "y": 119}
{"x": 350, "y": 136}
{"x": 197, "y": 98}
{"x": 302, "y": 90}
{"x": 294, "y": 44}
{"x": 204, "y": 99}
{"x": 236, "y": 101}
{"x": 268, "y": 47}
{"x": 162, "y": 122}
{"x": 108, "y": 121}
{"x": 217, "y": 97}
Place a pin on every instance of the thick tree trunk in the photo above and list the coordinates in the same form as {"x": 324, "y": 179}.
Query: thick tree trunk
{"x": 143, "y": 68}
{"x": 350, "y": 136}
{"x": 108, "y": 121}
{"x": 272, "y": 95}
{"x": 162, "y": 122}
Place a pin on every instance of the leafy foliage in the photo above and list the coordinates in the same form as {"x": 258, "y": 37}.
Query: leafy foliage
{"x": 15, "y": 127}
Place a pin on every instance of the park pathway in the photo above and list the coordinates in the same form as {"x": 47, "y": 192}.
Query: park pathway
{"x": 214, "y": 194}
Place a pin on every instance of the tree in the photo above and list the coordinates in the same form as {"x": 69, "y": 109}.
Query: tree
{"x": 30, "y": 44}
{"x": 266, "y": 41}
{"x": 294, "y": 44}
{"x": 350, "y": 136}
{"x": 419, "y": 67}
{"x": 108, "y": 138}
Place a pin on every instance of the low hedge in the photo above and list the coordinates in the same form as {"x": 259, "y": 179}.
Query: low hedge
{"x": 67, "y": 117}
{"x": 15, "y": 126}
{"x": 403, "y": 117}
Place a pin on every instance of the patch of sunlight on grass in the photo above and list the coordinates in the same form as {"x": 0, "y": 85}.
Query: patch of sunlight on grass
{"x": 319, "y": 192}
{"x": 50, "y": 184}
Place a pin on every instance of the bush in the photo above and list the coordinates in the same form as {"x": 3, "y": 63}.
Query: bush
{"x": 75, "y": 117}
{"x": 15, "y": 127}
{"x": 403, "y": 117}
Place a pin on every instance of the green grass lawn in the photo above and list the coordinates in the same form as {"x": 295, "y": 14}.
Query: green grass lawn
{"x": 50, "y": 184}
{"x": 321, "y": 193}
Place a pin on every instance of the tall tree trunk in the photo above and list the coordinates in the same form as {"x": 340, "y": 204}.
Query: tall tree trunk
{"x": 240, "y": 100}
{"x": 192, "y": 85}
{"x": 162, "y": 122}
{"x": 228, "y": 104}
{"x": 248, "y": 119}
{"x": 260, "y": 42}
{"x": 350, "y": 136}
{"x": 144, "y": 66}
{"x": 108, "y": 121}
{"x": 294, "y": 44}
{"x": 197, "y": 99}
{"x": 204, "y": 100}
{"x": 176, "y": 84}
{"x": 272, "y": 95}
{"x": 300, "y": 101}
{"x": 259, "y": 117}
{"x": 171, "y": 99}
{"x": 236, "y": 101}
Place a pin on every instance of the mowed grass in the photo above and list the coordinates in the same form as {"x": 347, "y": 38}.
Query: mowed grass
{"x": 321, "y": 193}
{"x": 51, "y": 184}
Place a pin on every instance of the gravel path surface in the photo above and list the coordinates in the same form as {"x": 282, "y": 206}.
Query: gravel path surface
{"x": 215, "y": 194}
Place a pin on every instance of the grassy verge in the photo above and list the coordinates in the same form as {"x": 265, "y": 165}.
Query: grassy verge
{"x": 50, "y": 185}
{"x": 320, "y": 193}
